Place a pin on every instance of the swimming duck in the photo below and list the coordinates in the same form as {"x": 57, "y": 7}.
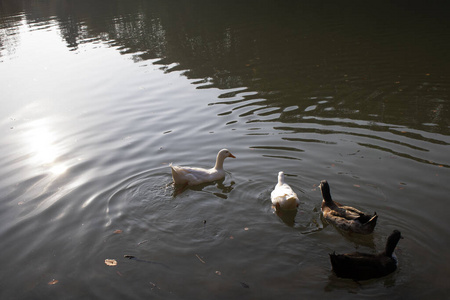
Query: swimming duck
{"x": 345, "y": 217}
{"x": 363, "y": 266}
{"x": 283, "y": 197}
{"x": 195, "y": 176}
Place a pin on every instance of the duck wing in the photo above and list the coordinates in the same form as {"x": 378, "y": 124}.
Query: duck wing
{"x": 360, "y": 216}
{"x": 351, "y": 209}
{"x": 194, "y": 176}
{"x": 357, "y": 215}
{"x": 345, "y": 213}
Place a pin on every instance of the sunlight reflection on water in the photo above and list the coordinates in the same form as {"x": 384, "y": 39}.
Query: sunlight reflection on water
{"x": 42, "y": 143}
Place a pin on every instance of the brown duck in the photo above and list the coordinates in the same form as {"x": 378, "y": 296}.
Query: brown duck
{"x": 345, "y": 217}
{"x": 363, "y": 266}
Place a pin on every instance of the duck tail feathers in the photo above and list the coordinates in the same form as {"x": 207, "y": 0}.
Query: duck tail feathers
{"x": 373, "y": 219}
{"x": 174, "y": 170}
{"x": 368, "y": 220}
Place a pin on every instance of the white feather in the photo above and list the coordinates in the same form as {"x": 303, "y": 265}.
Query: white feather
{"x": 283, "y": 196}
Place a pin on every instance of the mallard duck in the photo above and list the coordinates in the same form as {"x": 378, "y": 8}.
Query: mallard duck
{"x": 283, "y": 197}
{"x": 345, "y": 217}
{"x": 195, "y": 176}
{"x": 363, "y": 266}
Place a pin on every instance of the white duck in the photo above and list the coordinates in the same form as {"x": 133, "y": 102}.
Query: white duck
{"x": 283, "y": 197}
{"x": 194, "y": 176}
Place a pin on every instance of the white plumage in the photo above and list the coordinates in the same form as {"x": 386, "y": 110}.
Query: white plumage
{"x": 283, "y": 197}
{"x": 195, "y": 176}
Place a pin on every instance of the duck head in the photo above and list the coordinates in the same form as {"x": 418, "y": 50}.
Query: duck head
{"x": 224, "y": 153}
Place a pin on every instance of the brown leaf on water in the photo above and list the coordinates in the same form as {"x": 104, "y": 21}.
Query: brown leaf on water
{"x": 117, "y": 231}
{"x": 356, "y": 185}
{"x": 52, "y": 282}
{"x": 111, "y": 262}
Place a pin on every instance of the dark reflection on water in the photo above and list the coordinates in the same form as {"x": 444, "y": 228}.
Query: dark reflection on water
{"x": 219, "y": 185}
{"x": 383, "y": 62}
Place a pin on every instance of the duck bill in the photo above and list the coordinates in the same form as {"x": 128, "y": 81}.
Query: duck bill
{"x": 231, "y": 155}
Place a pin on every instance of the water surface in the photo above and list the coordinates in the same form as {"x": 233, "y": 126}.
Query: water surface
{"x": 99, "y": 97}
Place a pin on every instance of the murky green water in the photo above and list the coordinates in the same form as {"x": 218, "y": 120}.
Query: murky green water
{"x": 98, "y": 97}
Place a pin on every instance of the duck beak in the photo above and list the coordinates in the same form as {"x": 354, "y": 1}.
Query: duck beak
{"x": 231, "y": 155}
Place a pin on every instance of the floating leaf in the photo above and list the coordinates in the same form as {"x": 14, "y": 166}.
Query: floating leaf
{"x": 111, "y": 262}
{"x": 143, "y": 242}
{"x": 52, "y": 282}
{"x": 200, "y": 259}
{"x": 117, "y": 231}
{"x": 154, "y": 286}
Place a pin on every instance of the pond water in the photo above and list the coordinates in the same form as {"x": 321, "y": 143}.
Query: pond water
{"x": 99, "y": 97}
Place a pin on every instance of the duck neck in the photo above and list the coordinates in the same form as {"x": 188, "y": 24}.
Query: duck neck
{"x": 389, "y": 250}
{"x": 280, "y": 179}
{"x": 326, "y": 195}
{"x": 391, "y": 244}
{"x": 219, "y": 163}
